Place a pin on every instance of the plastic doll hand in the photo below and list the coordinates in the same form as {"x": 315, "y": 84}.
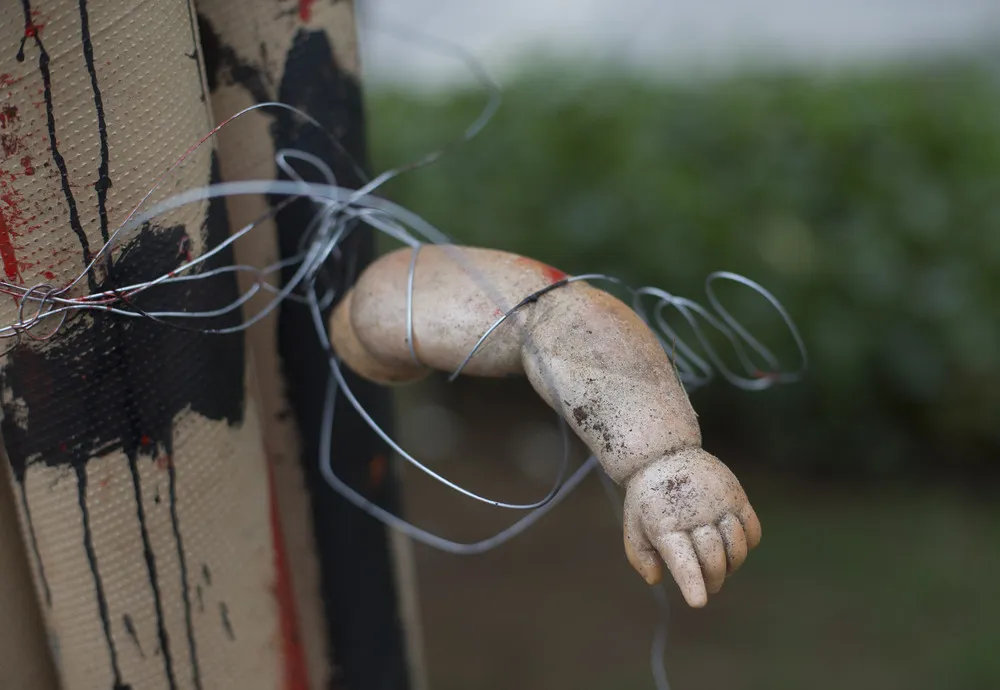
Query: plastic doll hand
{"x": 689, "y": 510}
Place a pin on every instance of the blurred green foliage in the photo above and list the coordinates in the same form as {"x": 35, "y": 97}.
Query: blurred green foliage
{"x": 869, "y": 203}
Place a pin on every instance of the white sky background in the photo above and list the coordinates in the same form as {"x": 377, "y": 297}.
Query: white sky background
{"x": 666, "y": 35}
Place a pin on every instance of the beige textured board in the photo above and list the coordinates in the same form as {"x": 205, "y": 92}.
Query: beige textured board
{"x": 135, "y": 449}
{"x": 24, "y": 653}
{"x": 247, "y": 153}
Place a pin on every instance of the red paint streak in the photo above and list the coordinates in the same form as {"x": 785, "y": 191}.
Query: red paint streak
{"x": 295, "y": 676}
{"x": 66, "y": 258}
{"x": 553, "y": 275}
{"x": 7, "y": 254}
{"x": 305, "y": 9}
{"x": 49, "y": 275}
{"x": 185, "y": 249}
{"x": 9, "y": 217}
{"x": 377, "y": 469}
{"x": 6, "y": 80}
{"x": 26, "y": 165}
{"x": 8, "y": 114}
{"x": 33, "y": 28}
{"x": 145, "y": 440}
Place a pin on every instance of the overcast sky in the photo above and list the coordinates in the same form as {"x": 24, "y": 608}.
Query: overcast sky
{"x": 678, "y": 35}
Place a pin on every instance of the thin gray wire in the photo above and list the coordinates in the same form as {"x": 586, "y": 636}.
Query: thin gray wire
{"x": 409, "y": 305}
{"x": 658, "y": 648}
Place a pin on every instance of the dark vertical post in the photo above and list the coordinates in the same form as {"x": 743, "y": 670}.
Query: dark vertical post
{"x": 303, "y": 55}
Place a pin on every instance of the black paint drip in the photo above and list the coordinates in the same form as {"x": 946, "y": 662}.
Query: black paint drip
{"x": 194, "y": 51}
{"x": 154, "y": 580}
{"x": 102, "y": 601}
{"x": 50, "y": 118}
{"x": 103, "y": 183}
{"x": 185, "y": 587}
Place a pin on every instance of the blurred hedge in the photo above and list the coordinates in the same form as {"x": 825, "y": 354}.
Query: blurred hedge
{"x": 869, "y": 203}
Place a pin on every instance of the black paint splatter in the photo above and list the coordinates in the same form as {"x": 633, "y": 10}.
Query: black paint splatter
{"x": 206, "y": 574}
{"x": 223, "y": 65}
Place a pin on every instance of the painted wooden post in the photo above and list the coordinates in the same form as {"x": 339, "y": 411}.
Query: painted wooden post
{"x": 345, "y": 576}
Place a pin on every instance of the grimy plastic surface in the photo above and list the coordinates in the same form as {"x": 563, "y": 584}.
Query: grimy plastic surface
{"x": 135, "y": 463}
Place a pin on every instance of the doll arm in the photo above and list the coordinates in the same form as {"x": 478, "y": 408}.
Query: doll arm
{"x": 591, "y": 358}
